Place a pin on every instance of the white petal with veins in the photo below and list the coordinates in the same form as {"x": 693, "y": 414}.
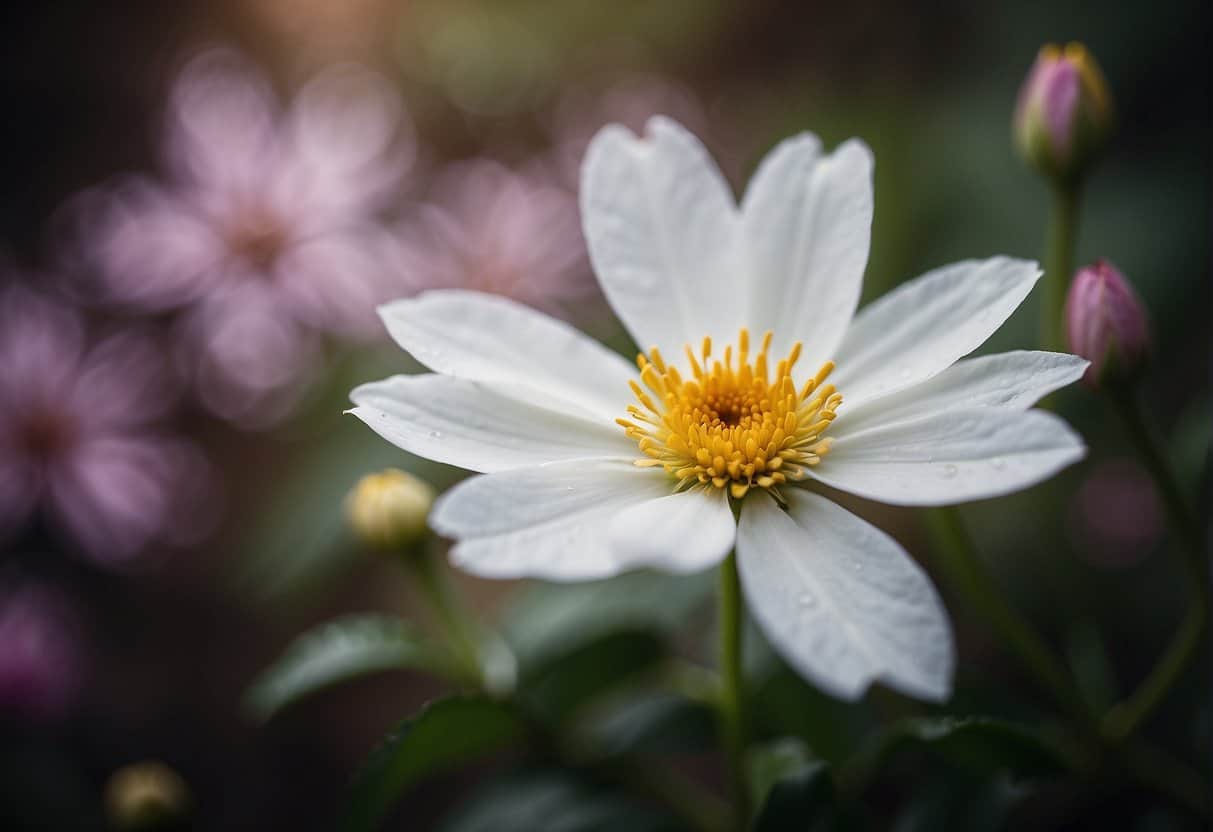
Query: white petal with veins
{"x": 474, "y": 425}
{"x": 551, "y": 521}
{"x": 841, "y": 601}
{"x": 952, "y": 457}
{"x": 662, "y": 229}
{"x": 486, "y": 337}
{"x": 808, "y": 224}
{"x": 1009, "y": 380}
{"x": 922, "y": 327}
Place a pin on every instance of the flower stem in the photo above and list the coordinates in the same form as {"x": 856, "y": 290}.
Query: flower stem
{"x": 1124, "y": 718}
{"x": 1059, "y": 262}
{"x": 959, "y": 560}
{"x": 453, "y": 616}
{"x": 732, "y": 698}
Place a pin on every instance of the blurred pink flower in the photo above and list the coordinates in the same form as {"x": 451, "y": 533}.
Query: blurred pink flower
{"x": 507, "y": 231}
{"x": 40, "y": 654}
{"x": 78, "y": 435}
{"x": 269, "y": 215}
{"x": 1117, "y": 518}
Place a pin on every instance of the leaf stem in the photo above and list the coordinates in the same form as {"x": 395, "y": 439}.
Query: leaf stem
{"x": 732, "y": 697}
{"x": 958, "y": 558}
{"x": 1124, "y": 718}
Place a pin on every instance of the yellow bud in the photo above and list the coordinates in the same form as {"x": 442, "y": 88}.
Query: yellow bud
{"x": 145, "y": 796}
{"x": 388, "y": 510}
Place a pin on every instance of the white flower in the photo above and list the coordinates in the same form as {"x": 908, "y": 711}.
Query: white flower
{"x": 591, "y": 467}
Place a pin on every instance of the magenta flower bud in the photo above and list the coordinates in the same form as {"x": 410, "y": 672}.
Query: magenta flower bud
{"x": 1064, "y": 114}
{"x": 1106, "y": 324}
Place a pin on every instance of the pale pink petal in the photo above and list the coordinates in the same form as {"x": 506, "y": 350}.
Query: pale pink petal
{"x": 222, "y": 120}
{"x": 349, "y": 134}
{"x": 124, "y": 381}
{"x": 150, "y": 247}
{"x": 115, "y": 494}
{"x": 247, "y": 355}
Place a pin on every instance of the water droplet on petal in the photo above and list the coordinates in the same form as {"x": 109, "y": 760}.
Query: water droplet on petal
{"x": 435, "y": 434}
{"x": 857, "y": 565}
{"x": 998, "y": 462}
{"x": 950, "y": 471}
{"x": 807, "y": 600}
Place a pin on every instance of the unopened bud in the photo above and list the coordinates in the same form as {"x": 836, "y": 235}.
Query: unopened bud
{"x": 146, "y": 796}
{"x": 1064, "y": 115}
{"x": 1106, "y": 324}
{"x": 388, "y": 510}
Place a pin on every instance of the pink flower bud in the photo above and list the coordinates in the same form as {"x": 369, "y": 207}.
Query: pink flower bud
{"x": 1106, "y": 324}
{"x": 1064, "y": 114}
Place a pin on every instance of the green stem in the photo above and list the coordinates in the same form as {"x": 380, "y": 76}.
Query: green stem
{"x": 1124, "y": 718}
{"x": 1059, "y": 263}
{"x": 732, "y": 699}
{"x": 959, "y": 561}
{"x": 1160, "y": 771}
{"x": 453, "y": 616}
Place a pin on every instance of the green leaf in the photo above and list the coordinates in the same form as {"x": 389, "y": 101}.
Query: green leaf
{"x": 343, "y": 649}
{"x": 784, "y": 704}
{"x": 979, "y": 744}
{"x": 655, "y": 723}
{"x": 802, "y": 800}
{"x": 442, "y": 735}
{"x": 560, "y": 685}
{"x": 553, "y": 801}
{"x": 773, "y": 761}
{"x": 551, "y": 619}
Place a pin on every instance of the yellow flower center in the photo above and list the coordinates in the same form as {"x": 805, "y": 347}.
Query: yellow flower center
{"x": 731, "y": 425}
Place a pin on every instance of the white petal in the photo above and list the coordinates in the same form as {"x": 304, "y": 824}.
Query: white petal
{"x": 551, "y": 521}
{"x": 841, "y": 601}
{"x": 950, "y": 458}
{"x": 685, "y": 532}
{"x": 1009, "y": 380}
{"x": 924, "y": 326}
{"x": 662, "y": 229}
{"x": 808, "y": 224}
{"x": 473, "y": 425}
{"x": 491, "y": 338}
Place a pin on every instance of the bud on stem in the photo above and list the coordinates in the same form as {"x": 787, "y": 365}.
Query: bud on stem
{"x": 1064, "y": 114}
{"x": 1106, "y": 324}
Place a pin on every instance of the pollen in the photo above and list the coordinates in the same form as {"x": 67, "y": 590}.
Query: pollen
{"x": 735, "y": 422}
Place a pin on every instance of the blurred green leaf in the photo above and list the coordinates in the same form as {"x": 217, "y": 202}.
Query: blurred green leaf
{"x": 770, "y": 762}
{"x": 338, "y": 650}
{"x": 978, "y": 744}
{"x": 655, "y": 723}
{"x": 557, "y": 687}
{"x": 960, "y": 802}
{"x": 783, "y": 704}
{"x": 800, "y": 800}
{"x": 553, "y": 801}
{"x": 549, "y": 619}
{"x": 444, "y": 734}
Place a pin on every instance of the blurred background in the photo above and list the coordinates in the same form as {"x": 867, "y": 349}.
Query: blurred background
{"x": 202, "y": 203}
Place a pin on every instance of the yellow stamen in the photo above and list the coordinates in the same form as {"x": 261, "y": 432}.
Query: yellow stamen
{"x": 731, "y": 426}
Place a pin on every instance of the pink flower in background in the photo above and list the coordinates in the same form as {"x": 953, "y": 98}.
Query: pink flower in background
{"x": 1116, "y": 516}
{"x": 40, "y": 654}
{"x": 270, "y": 216}
{"x": 78, "y": 436}
{"x": 495, "y": 229}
